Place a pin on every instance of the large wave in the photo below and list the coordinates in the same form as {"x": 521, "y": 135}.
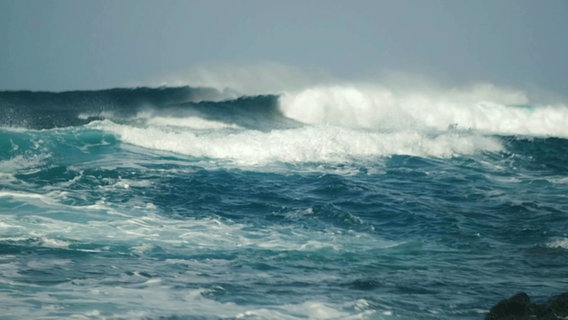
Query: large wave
{"x": 315, "y": 124}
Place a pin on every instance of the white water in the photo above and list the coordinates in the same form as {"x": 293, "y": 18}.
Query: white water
{"x": 364, "y": 120}
{"x": 318, "y": 143}
{"x": 484, "y": 109}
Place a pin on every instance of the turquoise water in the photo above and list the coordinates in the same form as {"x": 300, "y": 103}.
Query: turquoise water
{"x": 174, "y": 203}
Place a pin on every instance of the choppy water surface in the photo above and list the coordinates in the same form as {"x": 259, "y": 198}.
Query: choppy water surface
{"x": 330, "y": 203}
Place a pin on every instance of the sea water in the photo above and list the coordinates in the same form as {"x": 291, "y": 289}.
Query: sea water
{"x": 332, "y": 202}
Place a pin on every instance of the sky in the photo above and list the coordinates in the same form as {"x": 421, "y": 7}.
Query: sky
{"x": 77, "y": 44}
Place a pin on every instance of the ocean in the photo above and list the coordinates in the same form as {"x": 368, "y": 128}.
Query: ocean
{"x": 330, "y": 202}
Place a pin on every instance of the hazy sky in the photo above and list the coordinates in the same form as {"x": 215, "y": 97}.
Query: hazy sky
{"x": 62, "y": 45}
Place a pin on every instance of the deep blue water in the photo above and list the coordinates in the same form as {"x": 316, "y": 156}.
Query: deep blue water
{"x": 183, "y": 203}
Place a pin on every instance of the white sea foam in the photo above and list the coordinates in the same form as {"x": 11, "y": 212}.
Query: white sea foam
{"x": 560, "y": 243}
{"x": 20, "y": 162}
{"x": 559, "y": 180}
{"x": 52, "y": 224}
{"x": 54, "y": 243}
{"x": 308, "y": 309}
{"x": 138, "y": 232}
{"x": 318, "y": 143}
{"x": 142, "y": 228}
{"x": 14, "y": 194}
{"x": 358, "y": 120}
{"x": 483, "y": 108}
{"x": 152, "y": 299}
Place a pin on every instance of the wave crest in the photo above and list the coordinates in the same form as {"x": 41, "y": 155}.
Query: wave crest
{"x": 485, "y": 109}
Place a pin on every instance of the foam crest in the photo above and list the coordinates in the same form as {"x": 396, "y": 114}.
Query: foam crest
{"x": 304, "y": 144}
{"x": 484, "y": 108}
{"x": 22, "y": 195}
{"x": 560, "y": 243}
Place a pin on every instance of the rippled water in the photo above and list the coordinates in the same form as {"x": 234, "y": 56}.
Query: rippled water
{"x": 200, "y": 212}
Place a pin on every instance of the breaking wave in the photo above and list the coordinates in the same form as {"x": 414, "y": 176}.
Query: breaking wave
{"x": 320, "y": 123}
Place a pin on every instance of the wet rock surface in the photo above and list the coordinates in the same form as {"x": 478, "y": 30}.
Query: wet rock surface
{"x": 520, "y": 307}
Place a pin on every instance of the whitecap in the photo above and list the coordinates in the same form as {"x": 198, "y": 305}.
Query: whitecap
{"x": 560, "y": 243}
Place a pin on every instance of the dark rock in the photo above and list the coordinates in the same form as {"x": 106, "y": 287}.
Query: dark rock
{"x": 520, "y": 307}
{"x": 556, "y": 307}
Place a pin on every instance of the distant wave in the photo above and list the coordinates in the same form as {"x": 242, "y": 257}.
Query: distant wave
{"x": 45, "y": 110}
{"x": 489, "y": 110}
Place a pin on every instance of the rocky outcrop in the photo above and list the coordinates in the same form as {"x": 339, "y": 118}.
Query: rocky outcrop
{"x": 520, "y": 307}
